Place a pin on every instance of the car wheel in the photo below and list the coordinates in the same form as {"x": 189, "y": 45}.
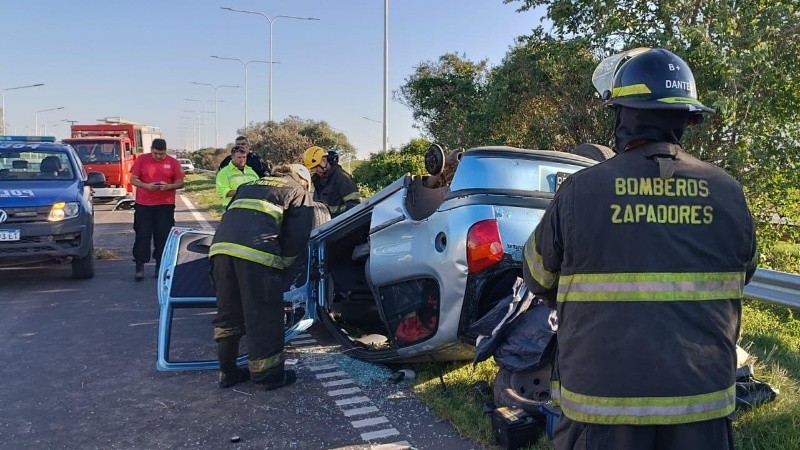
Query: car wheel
{"x": 528, "y": 390}
{"x": 84, "y": 267}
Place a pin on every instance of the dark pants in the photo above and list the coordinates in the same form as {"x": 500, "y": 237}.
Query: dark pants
{"x": 151, "y": 223}
{"x": 714, "y": 434}
{"x": 250, "y": 300}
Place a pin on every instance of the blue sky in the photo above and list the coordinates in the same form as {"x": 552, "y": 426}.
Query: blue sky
{"x": 136, "y": 59}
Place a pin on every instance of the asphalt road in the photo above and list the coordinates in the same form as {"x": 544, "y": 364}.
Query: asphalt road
{"x": 78, "y": 371}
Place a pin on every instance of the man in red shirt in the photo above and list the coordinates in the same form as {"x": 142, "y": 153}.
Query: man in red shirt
{"x": 156, "y": 176}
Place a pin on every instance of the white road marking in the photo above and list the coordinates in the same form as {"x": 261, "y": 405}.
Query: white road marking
{"x": 379, "y": 434}
{"x": 337, "y": 383}
{"x": 369, "y": 422}
{"x": 204, "y": 225}
{"x": 303, "y": 342}
{"x": 331, "y": 375}
{"x": 359, "y": 411}
{"x": 351, "y": 401}
{"x": 345, "y": 391}
{"x": 325, "y": 367}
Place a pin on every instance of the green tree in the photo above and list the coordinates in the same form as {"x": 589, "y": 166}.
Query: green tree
{"x": 540, "y": 96}
{"x": 744, "y": 57}
{"x": 208, "y": 158}
{"x": 285, "y": 141}
{"x": 383, "y": 168}
{"x": 446, "y": 98}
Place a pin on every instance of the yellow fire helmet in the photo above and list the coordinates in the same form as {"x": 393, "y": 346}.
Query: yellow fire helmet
{"x": 312, "y": 156}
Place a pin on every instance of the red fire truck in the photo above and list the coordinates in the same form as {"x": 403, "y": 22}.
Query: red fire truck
{"x": 110, "y": 148}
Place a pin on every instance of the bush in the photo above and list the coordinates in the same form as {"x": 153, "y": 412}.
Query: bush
{"x": 783, "y": 256}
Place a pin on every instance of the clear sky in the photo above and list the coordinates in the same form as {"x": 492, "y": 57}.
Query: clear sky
{"x": 137, "y": 59}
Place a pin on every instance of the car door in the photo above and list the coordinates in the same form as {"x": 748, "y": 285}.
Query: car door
{"x": 184, "y": 281}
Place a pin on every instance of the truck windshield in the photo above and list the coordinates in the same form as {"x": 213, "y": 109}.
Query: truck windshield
{"x": 97, "y": 152}
{"x": 34, "y": 165}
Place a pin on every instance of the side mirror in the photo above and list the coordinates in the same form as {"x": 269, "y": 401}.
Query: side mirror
{"x": 95, "y": 179}
{"x": 434, "y": 159}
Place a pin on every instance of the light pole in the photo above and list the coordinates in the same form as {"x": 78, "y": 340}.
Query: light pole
{"x": 3, "y": 104}
{"x": 216, "y": 116}
{"x": 385, "y": 74}
{"x": 36, "y": 118}
{"x": 205, "y": 107}
{"x": 270, "y": 21}
{"x": 191, "y": 124}
{"x": 245, "y": 64}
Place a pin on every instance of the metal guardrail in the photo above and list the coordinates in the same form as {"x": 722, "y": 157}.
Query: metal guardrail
{"x": 779, "y": 288}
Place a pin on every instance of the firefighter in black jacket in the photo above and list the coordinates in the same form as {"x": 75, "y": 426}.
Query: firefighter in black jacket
{"x": 265, "y": 227}
{"x": 647, "y": 255}
{"x": 332, "y": 185}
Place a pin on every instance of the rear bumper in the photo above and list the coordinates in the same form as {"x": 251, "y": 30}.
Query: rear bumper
{"x": 38, "y": 241}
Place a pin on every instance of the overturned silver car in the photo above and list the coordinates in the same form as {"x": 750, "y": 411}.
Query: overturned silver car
{"x": 402, "y": 276}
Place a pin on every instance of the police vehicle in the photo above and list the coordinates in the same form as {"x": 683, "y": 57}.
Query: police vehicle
{"x": 45, "y": 204}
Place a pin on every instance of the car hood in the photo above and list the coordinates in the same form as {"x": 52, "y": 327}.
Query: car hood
{"x": 37, "y": 193}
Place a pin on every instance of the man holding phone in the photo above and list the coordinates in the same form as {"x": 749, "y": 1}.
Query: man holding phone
{"x": 156, "y": 176}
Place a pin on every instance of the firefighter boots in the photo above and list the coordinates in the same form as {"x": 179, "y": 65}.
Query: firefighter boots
{"x": 138, "y": 275}
{"x": 229, "y": 373}
{"x": 277, "y": 380}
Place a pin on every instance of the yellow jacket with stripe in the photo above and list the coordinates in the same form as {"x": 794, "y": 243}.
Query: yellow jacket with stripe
{"x": 231, "y": 177}
{"x": 647, "y": 255}
{"x": 267, "y": 222}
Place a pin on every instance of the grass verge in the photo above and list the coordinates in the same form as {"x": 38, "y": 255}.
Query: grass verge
{"x": 201, "y": 188}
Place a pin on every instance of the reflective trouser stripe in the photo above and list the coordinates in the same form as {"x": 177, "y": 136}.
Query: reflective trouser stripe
{"x": 221, "y": 333}
{"x": 264, "y": 364}
{"x": 535, "y": 265}
{"x": 640, "y": 287}
{"x": 249, "y": 254}
{"x": 644, "y": 410}
{"x": 259, "y": 205}
{"x": 353, "y": 196}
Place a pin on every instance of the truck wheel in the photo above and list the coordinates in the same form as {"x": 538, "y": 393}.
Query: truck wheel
{"x": 528, "y": 390}
{"x": 84, "y": 267}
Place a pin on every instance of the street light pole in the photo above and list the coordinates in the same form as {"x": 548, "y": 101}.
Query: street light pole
{"x": 36, "y": 118}
{"x": 385, "y": 74}
{"x": 216, "y": 116}
{"x": 271, "y": 62}
{"x": 245, "y": 64}
{"x": 3, "y": 102}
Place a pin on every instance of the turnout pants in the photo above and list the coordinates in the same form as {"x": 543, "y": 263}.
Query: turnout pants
{"x": 151, "y": 224}
{"x": 716, "y": 434}
{"x": 250, "y": 301}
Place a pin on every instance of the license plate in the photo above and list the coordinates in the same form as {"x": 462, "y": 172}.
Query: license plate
{"x": 560, "y": 177}
{"x": 9, "y": 235}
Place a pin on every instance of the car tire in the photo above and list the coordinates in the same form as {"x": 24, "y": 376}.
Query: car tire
{"x": 528, "y": 390}
{"x": 83, "y": 268}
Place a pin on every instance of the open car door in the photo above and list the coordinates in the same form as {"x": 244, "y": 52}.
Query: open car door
{"x": 184, "y": 281}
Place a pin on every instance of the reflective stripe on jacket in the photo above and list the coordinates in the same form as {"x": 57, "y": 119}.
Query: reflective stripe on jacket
{"x": 648, "y": 274}
{"x": 267, "y": 222}
{"x": 337, "y": 190}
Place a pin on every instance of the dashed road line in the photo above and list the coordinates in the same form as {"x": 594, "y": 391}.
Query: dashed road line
{"x": 359, "y": 411}
{"x": 331, "y": 375}
{"x": 369, "y": 422}
{"x": 346, "y": 391}
{"x": 372, "y": 435}
{"x": 352, "y": 401}
{"x": 337, "y": 382}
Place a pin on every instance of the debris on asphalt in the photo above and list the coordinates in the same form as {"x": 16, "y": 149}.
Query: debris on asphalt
{"x": 235, "y": 439}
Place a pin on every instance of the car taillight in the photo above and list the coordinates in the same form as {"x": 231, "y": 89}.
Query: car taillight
{"x": 484, "y": 247}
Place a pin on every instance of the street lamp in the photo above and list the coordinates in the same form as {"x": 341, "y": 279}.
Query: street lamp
{"x": 245, "y": 64}
{"x": 270, "y": 21}
{"x": 216, "y": 116}
{"x": 36, "y": 118}
{"x": 3, "y": 104}
{"x": 372, "y": 120}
